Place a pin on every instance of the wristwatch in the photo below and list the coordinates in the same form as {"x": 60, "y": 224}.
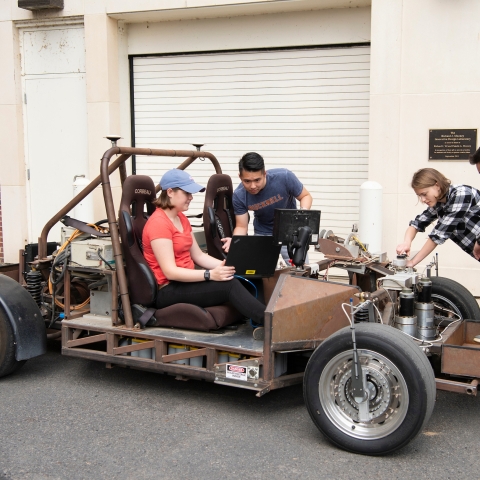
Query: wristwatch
{"x": 206, "y": 275}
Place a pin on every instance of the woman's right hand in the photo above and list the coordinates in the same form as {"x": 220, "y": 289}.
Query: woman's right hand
{"x": 222, "y": 273}
{"x": 404, "y": 248}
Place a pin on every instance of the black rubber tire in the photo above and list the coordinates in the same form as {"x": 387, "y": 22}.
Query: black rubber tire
{"x": 371, "y": 437}
{"x": 8, "y": 363}
{"x": 458, "y": 295}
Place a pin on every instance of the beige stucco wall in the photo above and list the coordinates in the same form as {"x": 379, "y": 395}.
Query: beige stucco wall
{"x": 424, "y": 74}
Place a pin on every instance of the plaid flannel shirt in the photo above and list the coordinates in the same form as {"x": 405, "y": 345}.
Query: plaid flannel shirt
{"x": 458, "y": 218}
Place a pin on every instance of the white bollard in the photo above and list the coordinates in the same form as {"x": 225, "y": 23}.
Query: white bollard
{"x": 370, "y": 228}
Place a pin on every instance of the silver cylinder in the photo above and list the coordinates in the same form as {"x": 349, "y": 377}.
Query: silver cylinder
{"x": 425, "y": 321}
{"x": 407, "y": 325}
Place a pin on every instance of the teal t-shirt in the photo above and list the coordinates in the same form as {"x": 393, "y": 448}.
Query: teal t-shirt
{"x": 279, "y": 192}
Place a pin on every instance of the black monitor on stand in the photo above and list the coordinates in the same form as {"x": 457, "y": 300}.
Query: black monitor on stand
{"x": 297, "y": 229}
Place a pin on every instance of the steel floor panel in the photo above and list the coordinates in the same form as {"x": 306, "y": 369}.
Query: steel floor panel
{"x": 238, "y": 339}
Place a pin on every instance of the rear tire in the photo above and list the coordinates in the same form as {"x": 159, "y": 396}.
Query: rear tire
{"x": 400, "y": 382}
{"x": 8, "y": 363}
{"x": 448, "y": 293}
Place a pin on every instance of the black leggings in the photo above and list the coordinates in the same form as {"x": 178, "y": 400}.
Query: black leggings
{"x": 209, "y": 294}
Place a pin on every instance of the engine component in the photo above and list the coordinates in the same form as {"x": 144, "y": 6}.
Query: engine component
{"x": 34, "y": 285}
{"x": 424, "y": 290}
{"x": 399, "y": 281}
{"x": 425, "y": 321}
{"x": 361, "y": 314}
{"x": 406, "y": 320}
{"x": 407, "y": 300}
{"x": 424, "y": 310}
{"x": 400, "y": 261}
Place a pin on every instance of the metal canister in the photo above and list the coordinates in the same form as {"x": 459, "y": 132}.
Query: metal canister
{"x": 407, "y": 325}
{"x": 406, "y": 321}
{"x": 424, "y": 290}
{"x": 407, "y": 303}
{"x": 425, "y": 321}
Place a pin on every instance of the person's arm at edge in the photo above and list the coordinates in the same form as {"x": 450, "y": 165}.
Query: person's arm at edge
{"x": 305, "y": 199}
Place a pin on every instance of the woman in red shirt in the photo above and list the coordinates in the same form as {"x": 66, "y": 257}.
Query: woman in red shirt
{"x": 172, "y": 252}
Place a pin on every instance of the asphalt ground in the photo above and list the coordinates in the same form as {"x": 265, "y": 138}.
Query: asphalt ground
{"x": 68, "y": 418}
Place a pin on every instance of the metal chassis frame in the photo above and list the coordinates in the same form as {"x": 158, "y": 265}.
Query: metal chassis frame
{"x": 74, "y": 345}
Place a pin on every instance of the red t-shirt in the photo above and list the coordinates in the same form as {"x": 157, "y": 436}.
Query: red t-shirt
{"x": 160, "y": 226}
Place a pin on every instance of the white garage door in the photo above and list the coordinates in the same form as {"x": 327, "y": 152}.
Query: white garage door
{"x": 303, "y": 109}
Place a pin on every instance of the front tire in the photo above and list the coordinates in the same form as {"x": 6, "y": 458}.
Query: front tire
{"x": 400, "y": 382}
{"x": 8, "y": 363}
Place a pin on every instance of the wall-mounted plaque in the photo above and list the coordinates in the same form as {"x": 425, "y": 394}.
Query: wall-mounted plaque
{"x": 452, "y": 144}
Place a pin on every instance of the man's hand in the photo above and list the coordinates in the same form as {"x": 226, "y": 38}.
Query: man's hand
{"x": 226, "y": 243}
{"x": 476, "y": 251}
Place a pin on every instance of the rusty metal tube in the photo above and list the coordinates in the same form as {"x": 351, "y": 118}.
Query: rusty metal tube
{"x": 42, "y": 240}
{"x": 457, "y": 387}
{"x": 126, "y": 153}
{"x": 122, "y": 169}
{"x": 113, "y": 226}
{"x": 103, "y": 178}
{"x": 111, "y": 216}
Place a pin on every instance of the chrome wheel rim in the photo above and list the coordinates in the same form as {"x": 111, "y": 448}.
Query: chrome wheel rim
{"x": 387, "y": 390}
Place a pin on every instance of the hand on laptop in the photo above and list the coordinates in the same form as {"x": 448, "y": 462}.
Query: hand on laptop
{"x": 222, "y": 273}
{"x": 226, "y": 243}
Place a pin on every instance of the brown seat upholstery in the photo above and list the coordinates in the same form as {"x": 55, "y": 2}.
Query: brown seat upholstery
{"x": 135, "y": 208}
{"x": 218, "y": 214}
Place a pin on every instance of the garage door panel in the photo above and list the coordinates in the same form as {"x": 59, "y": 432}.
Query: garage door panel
{"x": 143, "y": 106}
{"x": 270, "y": 94}
{"x": 316, "y": 90}
{"x": 234, "y": 87}
{"x": 355, "y": 70}
{"x": 253, "y": 113}
{"x": 307, "y": 110}
{"x": 257, "y": 58}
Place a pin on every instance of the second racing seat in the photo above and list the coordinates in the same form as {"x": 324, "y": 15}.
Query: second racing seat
{"x": 218, "y": 214}
{"x": 135, "y": 208}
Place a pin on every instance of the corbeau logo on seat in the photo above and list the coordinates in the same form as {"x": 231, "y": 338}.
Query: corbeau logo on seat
{"x": 222, "y": 189}
{"x": 143, "y": 190}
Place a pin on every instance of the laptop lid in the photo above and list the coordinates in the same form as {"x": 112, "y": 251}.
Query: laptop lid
{"x": 253, "y": 256}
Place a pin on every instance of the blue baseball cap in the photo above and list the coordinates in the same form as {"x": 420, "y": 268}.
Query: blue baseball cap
{"x": 176, "y": 178}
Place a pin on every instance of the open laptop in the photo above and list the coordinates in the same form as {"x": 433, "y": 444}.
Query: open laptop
{"x": 253, "y": 256}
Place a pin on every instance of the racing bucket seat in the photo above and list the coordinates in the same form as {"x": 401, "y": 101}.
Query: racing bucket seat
{"x": 135, "y": 208}
{"x": 218, "y": 214}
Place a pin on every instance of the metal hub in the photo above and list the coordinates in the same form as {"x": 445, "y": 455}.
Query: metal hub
{"x": 387, "y": 395}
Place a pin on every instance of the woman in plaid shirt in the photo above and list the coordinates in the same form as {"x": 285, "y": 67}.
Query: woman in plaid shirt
{"x": 456, "y": 208}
